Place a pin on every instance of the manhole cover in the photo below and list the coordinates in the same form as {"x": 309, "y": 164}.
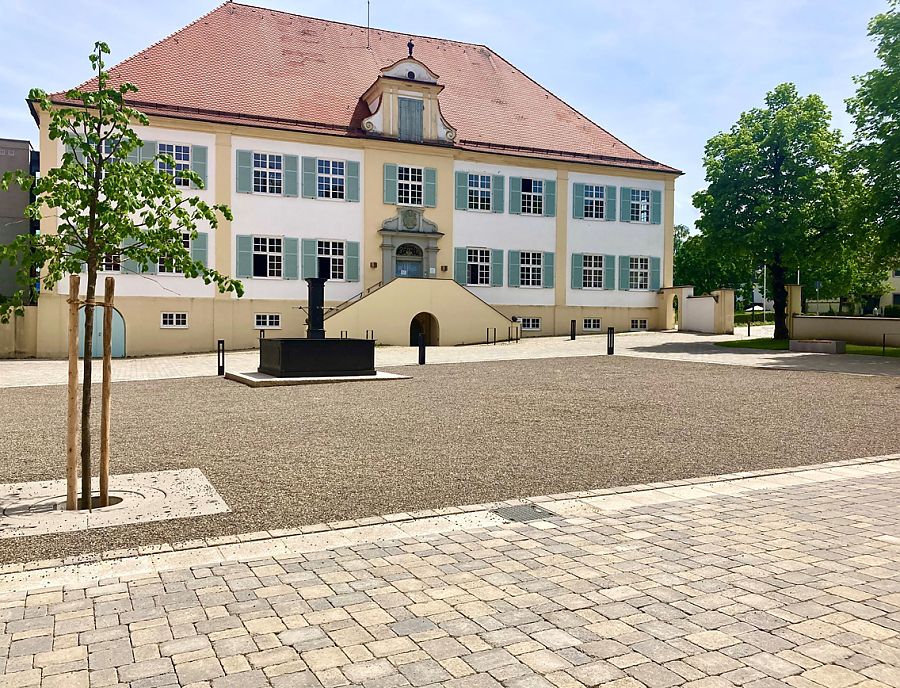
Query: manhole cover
{"x": 523, "y": 512}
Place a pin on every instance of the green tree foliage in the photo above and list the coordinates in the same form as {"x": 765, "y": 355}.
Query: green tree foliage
{"x": 875, "y": 148}
{"x": 774, "y": 194}
{"x": 681, "y": 234}
{"x": 702, "y": 265}
{"x": 103, "y": 205}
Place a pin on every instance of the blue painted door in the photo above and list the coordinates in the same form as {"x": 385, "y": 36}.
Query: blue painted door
{"x": 118, "y": 334}
{"x": 409, "y": 268}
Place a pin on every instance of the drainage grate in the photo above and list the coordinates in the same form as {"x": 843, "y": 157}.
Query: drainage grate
{"x": 523, "y": 512}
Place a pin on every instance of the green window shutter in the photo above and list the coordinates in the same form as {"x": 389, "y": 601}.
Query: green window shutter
{"x": 199, "y": 248}
{"x": 461, "y": 197}
{"x": 514, "y": 276}
{"x": 390, "y": 184}
{"x": 548, "y": 270}
{"x": 515, "y": 196}
{"x": 609, "y": 203}
{"x": 609, "y": 272}
{"x": 410, "y": 122}
{"x": 244, "y": 255}
{"x": 430, "y": 187}
{"x": 310, "y": 259}
{"x": 351, "y": 190}
{"x": 577, "y": 203}
{"x": 134, "y": 156}
{"x": 309, "y": 184}
{"x": 497, "y": 267}
{"x": 655, "y": 207}
{"x": 460, "y": 264}
{"x": 291, "y": 186}
{"x": 290, "y": 258}
{"x": 149, "y": 150}
{"x": 655, "y": 271}
{"x": 129, "y": 266}
{"x": 624, "y": 273}
{"x": 351, "y": 262}
{"x": 550, "y": 198}
{"x": 198, "y": 163}
{"x": 497, "y": 193}
{"x": 625, "y": 197}
{"x": 245, "y": 172}
{"x": 72, "y": 249}
{"x": 577, "y": 271}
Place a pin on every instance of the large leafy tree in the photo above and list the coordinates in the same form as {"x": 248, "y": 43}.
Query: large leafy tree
{"x": 104, "y": 204}
{"x": 774, "y": 193}
{"x": 706, "y": 267}
{"x": 875, "y": 148}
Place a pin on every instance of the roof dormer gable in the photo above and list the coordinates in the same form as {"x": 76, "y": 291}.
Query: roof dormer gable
{"x": 404, "y": 104}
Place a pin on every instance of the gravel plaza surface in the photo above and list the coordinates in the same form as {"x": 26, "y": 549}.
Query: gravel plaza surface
{"x": 454, "y": 434}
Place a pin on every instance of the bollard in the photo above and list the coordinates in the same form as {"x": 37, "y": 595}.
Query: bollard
{"x": 610, "y": 341}
{"x": 421, "y": 348}
{"x": 573, "y": 331}
{"x": 748, "y": 328}
{"x": 495, "y": 335}
{"x": 487, "y": 335}
{"x": 221, "y": 356}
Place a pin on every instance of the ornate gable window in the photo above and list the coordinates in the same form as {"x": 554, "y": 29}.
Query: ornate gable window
{"x": 404, "y": 104}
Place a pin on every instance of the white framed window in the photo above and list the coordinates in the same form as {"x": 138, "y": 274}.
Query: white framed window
{"x": 640, "y": 205}
{"x": 165, "y": 266}
{"x": 410, "y": 185}
{"x": 267, "y": 256}
{"x": 530, "y": 268}
{"x": 592, "y": 277}
{"x": 532, "y": 197}
{"x": 335, "y": 251}
{"x": 479, "y": 267}
{"x": 182, "y": 155}
{"x": 267, "y": 321}
{"x": 174, "y": 320}
{"x": 594, "y": 201}
{"x": 531, "y": 324}
{"x": 592, "y": 325}
{"x": 267, "y": 173}
{"x": 331, "y": 178}
{"x": 111, "y": 262}
{"x": 639, "y": 275}
{"x": 479, "y": 192}
{"x": 638, "y": 323}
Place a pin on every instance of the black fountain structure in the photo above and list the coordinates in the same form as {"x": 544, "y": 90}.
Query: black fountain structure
{"x": 317, "y": 355}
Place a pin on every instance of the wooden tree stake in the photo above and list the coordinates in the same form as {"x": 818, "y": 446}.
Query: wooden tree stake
{"x": 72, "y": 428}
{"x": 105, "y": 389}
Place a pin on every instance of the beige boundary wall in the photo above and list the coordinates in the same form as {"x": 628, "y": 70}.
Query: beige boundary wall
{"x": 18, "y": 337}
{"x": 853, "y": 330}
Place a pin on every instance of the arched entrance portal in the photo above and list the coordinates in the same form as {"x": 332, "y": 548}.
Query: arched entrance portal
{"x": 118, "y": 334}
{"x": 409, "y": 259}
{"x": 424, "y": 323}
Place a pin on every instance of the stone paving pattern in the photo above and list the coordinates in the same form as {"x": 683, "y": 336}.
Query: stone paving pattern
{"x": 796, "y": 586}
{"x": 679, "y": 346}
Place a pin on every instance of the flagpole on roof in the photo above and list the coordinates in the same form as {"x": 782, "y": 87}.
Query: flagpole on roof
{"x": 368, "y": 22}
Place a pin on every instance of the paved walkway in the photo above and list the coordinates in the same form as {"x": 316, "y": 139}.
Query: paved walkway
{"x": 775, "y": 579}
{"x": 665, "y": 345}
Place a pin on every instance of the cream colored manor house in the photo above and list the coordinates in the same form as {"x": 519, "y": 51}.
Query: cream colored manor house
{"x": 453, "y": 194}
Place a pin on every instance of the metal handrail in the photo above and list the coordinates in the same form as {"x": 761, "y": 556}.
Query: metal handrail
{"x": 353, "y": 299}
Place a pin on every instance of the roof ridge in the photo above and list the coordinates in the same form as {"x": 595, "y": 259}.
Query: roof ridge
{"x": 355, "y": 26}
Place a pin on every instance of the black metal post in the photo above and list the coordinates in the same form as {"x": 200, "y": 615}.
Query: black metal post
{"x": 883, "y": 343}
{"x": 221, "y": 356}
{"x": 509, "y": 334}
{"x": 487, "y": 335}
{"x": 573, "y": 331}
{"x": 495, "y": 335}
{"x": 421, "y": 348}
{"x": 610, "y": 341}
{"x": 748, "y": 327}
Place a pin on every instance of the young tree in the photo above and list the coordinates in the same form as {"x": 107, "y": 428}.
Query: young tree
{"x": 875, "y": 148}
{"x": 774, "y": 187}
{"x": 106, "y": 203}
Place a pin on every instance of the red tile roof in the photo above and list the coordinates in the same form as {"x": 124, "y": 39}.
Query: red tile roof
{"x": 248, "y": 65}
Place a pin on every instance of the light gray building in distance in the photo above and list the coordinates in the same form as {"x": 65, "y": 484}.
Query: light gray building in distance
{"x": 15, "y": 155}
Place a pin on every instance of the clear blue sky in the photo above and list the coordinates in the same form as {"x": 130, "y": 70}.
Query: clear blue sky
{"x": 663, "y": 76}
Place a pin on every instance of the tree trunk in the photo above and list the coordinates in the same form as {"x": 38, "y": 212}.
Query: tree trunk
{"x": 109, "y": 288}
{"x": 86, "y": 389}
{"x": 779, "y": 296}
